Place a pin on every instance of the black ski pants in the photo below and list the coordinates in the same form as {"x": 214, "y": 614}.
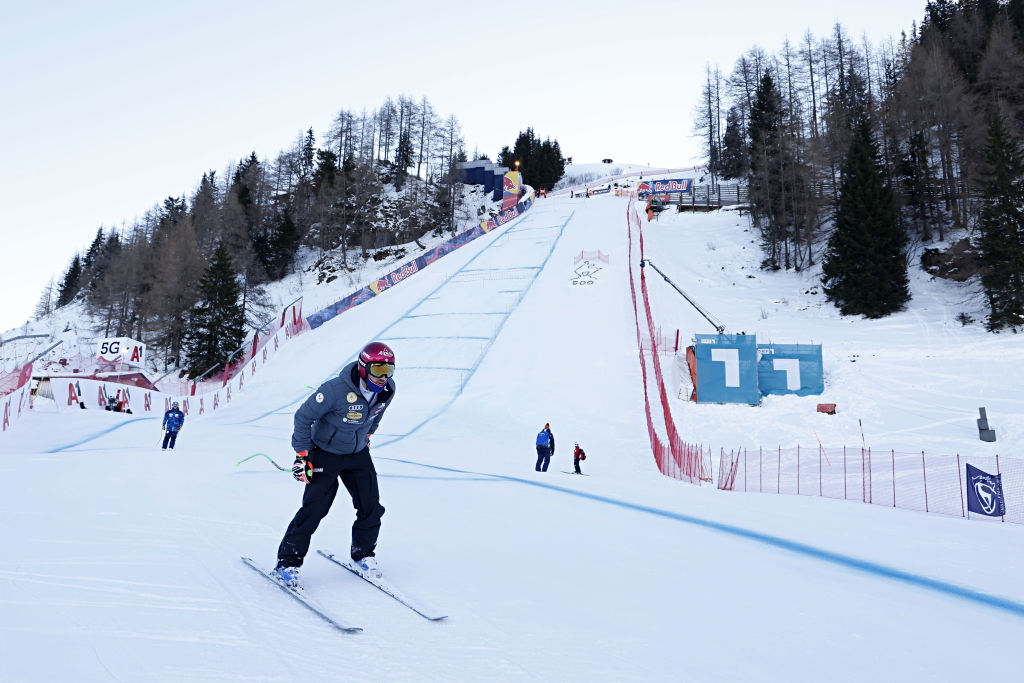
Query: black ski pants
{"x": 576, "y": 464}
{"x": 357, "y": 473}
{"x": 543, "y": 458}
{"x": 170, "y": 438}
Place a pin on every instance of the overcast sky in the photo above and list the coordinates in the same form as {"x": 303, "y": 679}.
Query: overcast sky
{"x": 106, "y": 108}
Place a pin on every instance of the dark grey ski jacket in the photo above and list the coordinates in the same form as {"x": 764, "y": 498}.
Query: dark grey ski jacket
{"x": 337, "y": 417}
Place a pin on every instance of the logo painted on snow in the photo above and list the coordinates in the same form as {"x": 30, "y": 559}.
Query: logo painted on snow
{"x": 319, "y": 397}
{"x": 351, "y": 397}
{"x": 584, "y": 273}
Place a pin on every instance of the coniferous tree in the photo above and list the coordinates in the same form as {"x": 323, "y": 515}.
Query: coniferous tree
{"x": 767, "y": 172}
{"x": 94, "y": 251}
{"x": 70, "y": 284}
{"x": 1002, "y": 229}
{"x": 865, "y": 267}
{"x": 542, "y": 163}
{"x": 403, "y": 158}
{"x": 734, "y": 161}
{"x": 217, "y": 323}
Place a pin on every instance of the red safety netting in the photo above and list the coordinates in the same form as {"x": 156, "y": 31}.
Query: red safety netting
{"x": 928, "y": 482}
{"x": 14, "y": 380}
{"x": 675, "y": 457}
{"x": 913, "y": 481}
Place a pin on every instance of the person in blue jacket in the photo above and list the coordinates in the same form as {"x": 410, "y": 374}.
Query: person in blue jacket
{"x": 174, "y": 419}
{"x": 331, "y": 438}
{"x": 545, "y": 448}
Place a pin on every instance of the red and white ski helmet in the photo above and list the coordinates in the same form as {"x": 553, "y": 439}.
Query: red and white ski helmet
{"x": 376, "y": 359}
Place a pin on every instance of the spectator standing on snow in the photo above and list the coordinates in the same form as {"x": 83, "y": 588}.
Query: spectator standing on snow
{"x": 545, "y": 448}
{"x": 331, "y": 439}
{"x": 577, "y": 455}
{"x": 174, "y": 419}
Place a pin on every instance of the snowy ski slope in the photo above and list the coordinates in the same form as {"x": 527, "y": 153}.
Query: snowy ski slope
{"x": 121, "y": 562}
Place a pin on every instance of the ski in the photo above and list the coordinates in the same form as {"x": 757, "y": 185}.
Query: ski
{"x": 579, "y": 473}
{"x": 301, "y": 597}
{"x": 385, "y": 586}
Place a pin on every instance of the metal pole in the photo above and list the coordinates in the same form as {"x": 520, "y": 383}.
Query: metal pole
{"x": 924, "y": 473}
{"x": 963, "y": 511}
{"x": 719, "y": 327}
{"x": 893, "y": 451}
{"x": 44, "y": 352}
{"x": 1002, "y": 518}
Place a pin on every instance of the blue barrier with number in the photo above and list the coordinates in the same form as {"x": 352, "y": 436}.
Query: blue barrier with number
{"x": 790, "y": 369}
{"x": 726, "y": 368}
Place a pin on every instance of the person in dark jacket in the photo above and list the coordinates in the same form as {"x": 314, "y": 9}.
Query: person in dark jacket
{"x": 331, "y": 438}
{"x": 174, "y": 420}
{"x": 545, "y": 448}
{"x": 577, "y": 455}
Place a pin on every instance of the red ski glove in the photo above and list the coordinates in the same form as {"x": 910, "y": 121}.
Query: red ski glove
{"x": 302, "y": 469}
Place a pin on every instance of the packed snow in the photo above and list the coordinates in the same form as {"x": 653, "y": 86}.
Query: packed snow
{"x": 122, "y": 562}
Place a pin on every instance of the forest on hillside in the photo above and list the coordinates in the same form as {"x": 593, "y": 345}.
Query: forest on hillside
{"x": 375, "y": 179}
{"x": 922, "y": 135}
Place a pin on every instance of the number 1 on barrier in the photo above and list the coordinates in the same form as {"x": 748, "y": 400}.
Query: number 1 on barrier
{"x": 731, "y": 358}
{"x": 791, "y": 366}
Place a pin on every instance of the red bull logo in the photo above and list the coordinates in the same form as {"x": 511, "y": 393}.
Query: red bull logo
{"x": 675, "y": 185}
{"x": 507, "y": 185}
{"x": 506, "y": 216}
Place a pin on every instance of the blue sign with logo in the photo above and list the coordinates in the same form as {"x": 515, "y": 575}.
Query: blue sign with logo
{"x": 790, "y": 369}
{"x": 985, "y": 493}
{"x": 726, "y": 368}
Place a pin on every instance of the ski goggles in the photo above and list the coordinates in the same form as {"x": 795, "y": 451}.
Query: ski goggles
{"x": 383, "y": 370}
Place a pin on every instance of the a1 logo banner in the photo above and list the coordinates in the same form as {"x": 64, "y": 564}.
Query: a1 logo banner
{"x": 790, "y": 369}
{"x": 726, "y": 368}
{"x": 985, "y": 493}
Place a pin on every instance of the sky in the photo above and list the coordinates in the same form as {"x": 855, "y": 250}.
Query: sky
{"x": 124, "y": 560}
{"x": 110, "y": 107}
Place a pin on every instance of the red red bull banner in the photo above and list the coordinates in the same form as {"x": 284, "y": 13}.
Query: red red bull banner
{"x": 512, "y": 185}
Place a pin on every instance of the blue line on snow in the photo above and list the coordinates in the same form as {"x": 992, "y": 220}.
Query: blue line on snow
{"x": 847, "y": 561}
{"x": 508, "y": 227}
{"x": 429, "y": 337}
{"x": 497, "y": 331}
{"x": 435, "y": 315}
{"x": 488, "y": 270}
{"x": 98, "y": 434}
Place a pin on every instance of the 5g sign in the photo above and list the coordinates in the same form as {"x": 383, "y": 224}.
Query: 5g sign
{"x": 121, "y": 350}
{"x": 726, "y": 368}
{"x": 734, "y": 368}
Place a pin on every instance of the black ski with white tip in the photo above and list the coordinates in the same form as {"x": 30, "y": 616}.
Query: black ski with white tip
{"x": 385, "y": 586}
{"x": 299, "y": 595}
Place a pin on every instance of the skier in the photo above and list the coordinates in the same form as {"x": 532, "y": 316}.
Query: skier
{"x": 545, "y": 448}
{"x": 331, "y": 439}
{"x": 577, "y": 455}
{"x": 174, "y": 419}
